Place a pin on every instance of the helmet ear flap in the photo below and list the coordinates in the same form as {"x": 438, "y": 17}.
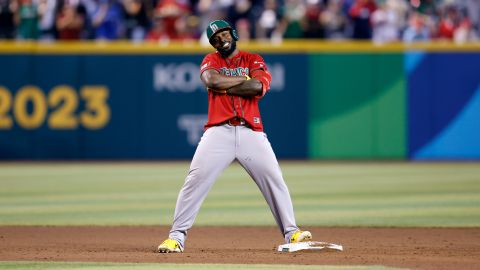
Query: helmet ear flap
{"x": 234, "y": 34}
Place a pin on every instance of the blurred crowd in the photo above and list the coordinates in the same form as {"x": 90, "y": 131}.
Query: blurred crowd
{"x": 166, "y": 20}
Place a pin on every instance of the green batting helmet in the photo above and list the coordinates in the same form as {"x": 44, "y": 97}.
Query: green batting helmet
{"x": 220, "y": 25}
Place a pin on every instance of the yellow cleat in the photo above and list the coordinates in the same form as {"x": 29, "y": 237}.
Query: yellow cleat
{"x": 300, "y": 236}
{"x": 170, "y": 246}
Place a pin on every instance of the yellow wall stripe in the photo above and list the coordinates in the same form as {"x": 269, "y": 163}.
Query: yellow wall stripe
{"x": 288, "y": 46}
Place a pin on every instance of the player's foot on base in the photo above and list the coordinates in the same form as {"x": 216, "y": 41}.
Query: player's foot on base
{"x": 169, "y": 246}
{"x": 300, "y": 236}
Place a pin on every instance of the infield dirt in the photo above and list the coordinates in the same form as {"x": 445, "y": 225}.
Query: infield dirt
{"x": 418, "y": 248}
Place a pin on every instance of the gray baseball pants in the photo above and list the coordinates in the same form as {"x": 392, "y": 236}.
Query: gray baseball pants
{"x": 218, "y": 148}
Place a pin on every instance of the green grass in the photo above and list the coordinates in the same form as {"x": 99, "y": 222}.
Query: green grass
{"x": 145, "y": 266}
{"x": 324, "y": 193}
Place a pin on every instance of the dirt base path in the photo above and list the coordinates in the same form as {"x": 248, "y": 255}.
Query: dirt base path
{"x": 421, "y": 248}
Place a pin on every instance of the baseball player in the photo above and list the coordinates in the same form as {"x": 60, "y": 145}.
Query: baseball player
{"x": 236, "y": 80}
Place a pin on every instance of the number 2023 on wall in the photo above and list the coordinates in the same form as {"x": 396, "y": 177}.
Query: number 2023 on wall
{"x": 29, "y": 107}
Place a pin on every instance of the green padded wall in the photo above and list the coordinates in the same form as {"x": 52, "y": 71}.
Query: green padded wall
{"x": 357, "y": 106}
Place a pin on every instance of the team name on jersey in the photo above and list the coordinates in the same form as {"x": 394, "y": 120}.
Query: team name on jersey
{"x": 239, "y": 71}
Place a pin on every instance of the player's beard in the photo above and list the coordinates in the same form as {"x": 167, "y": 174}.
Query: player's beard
{"x": 227, "y": 51}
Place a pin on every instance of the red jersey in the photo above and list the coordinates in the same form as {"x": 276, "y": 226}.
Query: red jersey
{"x": 222, "y": 107}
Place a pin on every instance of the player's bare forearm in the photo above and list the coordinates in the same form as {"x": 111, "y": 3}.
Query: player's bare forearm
{"x": 217, "y": 82}
{"x": 250, "y": 88}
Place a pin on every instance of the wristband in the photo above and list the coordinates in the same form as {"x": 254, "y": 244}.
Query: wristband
{"x": 248, "y": 77}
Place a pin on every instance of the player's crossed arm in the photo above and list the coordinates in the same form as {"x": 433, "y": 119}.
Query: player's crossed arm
{"x": 215, "y": 81}
{"x": 231, "y": 85}
{"x": 249, "y": 88}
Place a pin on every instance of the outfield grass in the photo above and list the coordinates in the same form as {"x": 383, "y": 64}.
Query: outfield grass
{"x": 146, "y": 266}
{"x": 324, "y": 193}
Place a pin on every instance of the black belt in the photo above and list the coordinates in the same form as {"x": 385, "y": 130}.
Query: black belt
{"x": 236, "y": 121}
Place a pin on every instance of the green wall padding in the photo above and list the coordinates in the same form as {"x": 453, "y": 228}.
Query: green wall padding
{"x": 357, "y": 106}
